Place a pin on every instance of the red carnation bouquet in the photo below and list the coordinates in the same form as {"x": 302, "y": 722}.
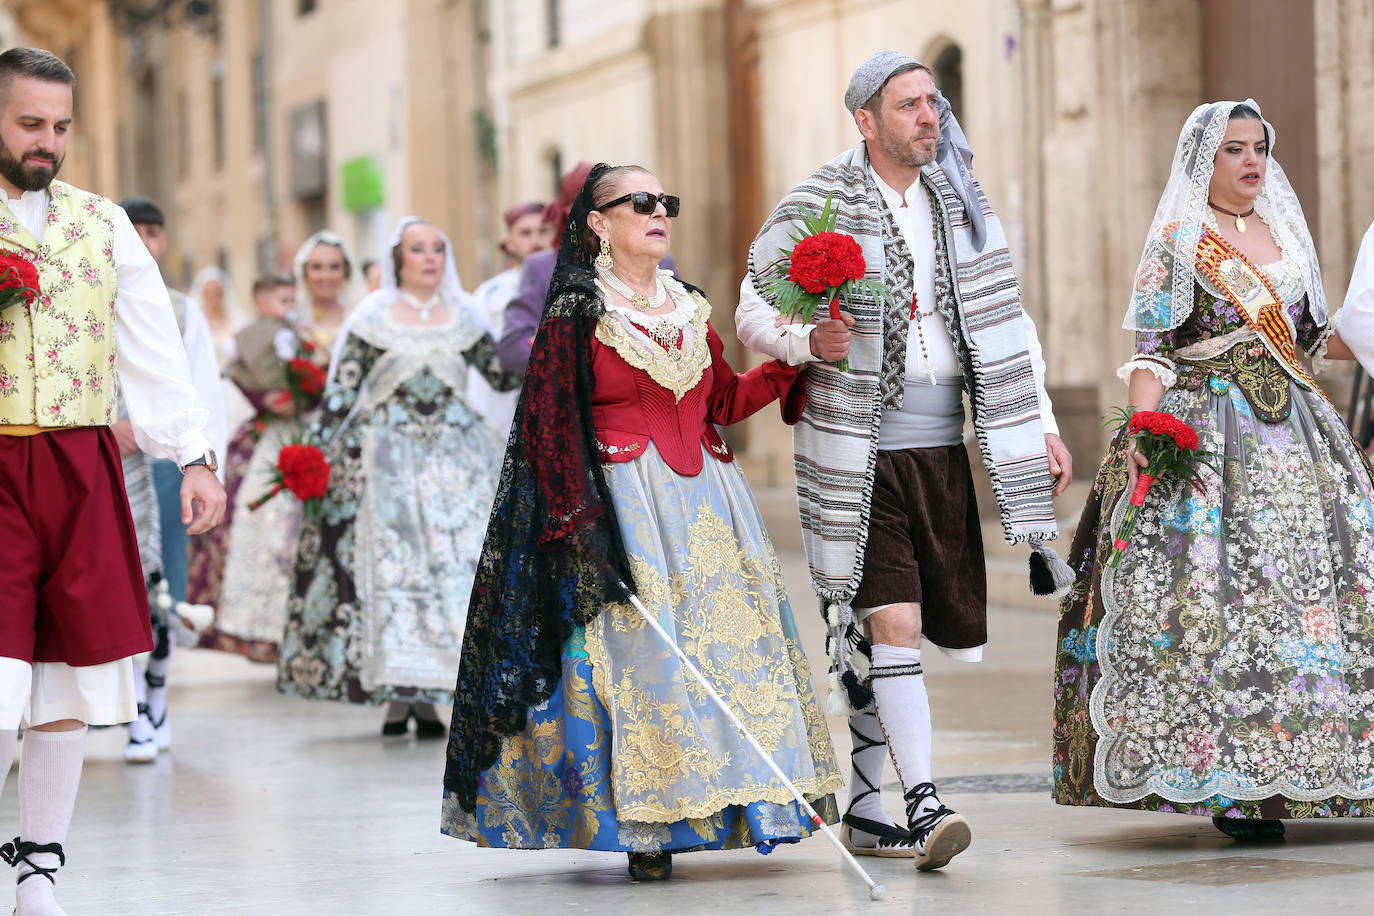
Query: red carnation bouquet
{"x": 823, "y": 264}
{"x": 18, "y": 280}
{"x": 302, "y": 469}
{"x": 304, "y": 377}
{"x": 1170, "y": 448}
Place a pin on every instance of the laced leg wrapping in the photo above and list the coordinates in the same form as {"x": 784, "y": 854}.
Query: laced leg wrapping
{"x": 888, "y": 835}
{"x": 923, "y": 823}
{"x": 18, "y": 851}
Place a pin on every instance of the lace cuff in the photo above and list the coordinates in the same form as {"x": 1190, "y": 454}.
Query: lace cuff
{"x": 1163, "y": 369}
{"x": 1318, "y": 349}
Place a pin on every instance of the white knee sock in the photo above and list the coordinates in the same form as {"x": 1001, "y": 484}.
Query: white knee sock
{"x": 156, "y": 680}
{"x": 141, "y": 729}
{"x": 899, "y": 694}
{"x": 49, "y": 775}
{"x": 9, "y": 738}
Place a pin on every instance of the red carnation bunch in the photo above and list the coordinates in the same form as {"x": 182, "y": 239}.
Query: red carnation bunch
{"x": 302, "y": 469}
{"x": 18, "y": 279}
{"x": 1170, "y": 448}
{"x": 304, "y": 375}
{"x": 826, "y": 260}
{"x": 1164, "y": 424}
{"x": 823, "y": 264}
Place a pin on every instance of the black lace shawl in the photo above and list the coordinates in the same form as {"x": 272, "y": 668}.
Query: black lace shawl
{"x": 553, "y": 556}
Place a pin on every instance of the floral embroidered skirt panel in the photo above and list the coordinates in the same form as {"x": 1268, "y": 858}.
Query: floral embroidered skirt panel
{"x": 257, "y": 561}
{"x": 629, "y": 754}
{"x": 1226, "y": 667}
{"x": 379, "y": 596}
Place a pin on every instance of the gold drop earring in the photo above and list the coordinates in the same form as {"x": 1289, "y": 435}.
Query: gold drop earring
{"x": 603, "y": 260}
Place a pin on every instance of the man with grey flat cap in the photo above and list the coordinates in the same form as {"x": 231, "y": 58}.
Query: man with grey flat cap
{"x": 884, "y": 485}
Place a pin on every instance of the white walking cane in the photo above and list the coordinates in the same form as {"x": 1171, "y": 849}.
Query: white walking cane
{"x": 875, "y": 890}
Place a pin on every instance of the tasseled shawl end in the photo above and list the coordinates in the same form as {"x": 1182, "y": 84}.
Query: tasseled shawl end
{"x": 850, "y": 655}
{"x": 1049, "y": 574}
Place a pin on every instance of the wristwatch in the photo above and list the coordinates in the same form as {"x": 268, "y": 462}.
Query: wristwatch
{"x": 207, "y": 461}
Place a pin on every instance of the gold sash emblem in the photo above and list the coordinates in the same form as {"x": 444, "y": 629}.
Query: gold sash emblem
{"x": 1247, "y": 292}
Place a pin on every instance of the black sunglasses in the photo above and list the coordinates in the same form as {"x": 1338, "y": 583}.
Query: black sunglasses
{"x": 647, "y": 203}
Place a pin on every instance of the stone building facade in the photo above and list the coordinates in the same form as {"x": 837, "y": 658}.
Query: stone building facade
{"x": 464, "y": 106}
{"x": 256, "y": 122}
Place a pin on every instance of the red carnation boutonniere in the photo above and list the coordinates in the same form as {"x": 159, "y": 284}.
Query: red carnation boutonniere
{"x": 822, "y": 265}
{"x": 18, "y": 280}
{"x": 1170, "y": 448}
{"x": 302, "y": 469}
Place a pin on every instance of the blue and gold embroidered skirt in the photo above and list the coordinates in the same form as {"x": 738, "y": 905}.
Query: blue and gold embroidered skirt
{"x": 629, "y": 754}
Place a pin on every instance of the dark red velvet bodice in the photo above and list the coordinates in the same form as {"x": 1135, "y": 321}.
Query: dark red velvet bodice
{"x": 630, "y": 409}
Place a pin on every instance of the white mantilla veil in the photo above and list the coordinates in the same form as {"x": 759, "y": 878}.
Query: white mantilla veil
{"x": 1162, "y": 297}
{"x": 233, "y": 319}
{"x": 305, "y": 307}
{"x": 450, "y": 289}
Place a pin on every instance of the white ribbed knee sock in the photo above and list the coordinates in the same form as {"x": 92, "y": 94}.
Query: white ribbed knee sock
{"x": 899, "y": 694}
{"x": 9, "y": 738}
{"x": 49, "y": 775}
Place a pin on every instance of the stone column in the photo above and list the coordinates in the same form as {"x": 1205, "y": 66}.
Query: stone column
{"x": 686, "y": 47}
{"x": 1125, "y": 73}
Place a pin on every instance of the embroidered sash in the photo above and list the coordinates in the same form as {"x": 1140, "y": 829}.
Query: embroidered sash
{"x": 1256, "y": 300}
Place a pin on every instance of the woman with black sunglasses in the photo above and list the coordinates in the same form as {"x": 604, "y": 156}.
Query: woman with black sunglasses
{"x": 574, "y": 725}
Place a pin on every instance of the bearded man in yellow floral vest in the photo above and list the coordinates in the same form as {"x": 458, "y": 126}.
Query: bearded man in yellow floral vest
{"x": 73, "y": 610}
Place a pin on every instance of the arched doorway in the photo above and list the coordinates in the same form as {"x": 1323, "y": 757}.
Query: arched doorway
{"x": 948, "y": 66}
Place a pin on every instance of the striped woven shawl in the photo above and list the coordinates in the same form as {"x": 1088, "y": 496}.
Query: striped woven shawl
{"x": 836, "y": 442}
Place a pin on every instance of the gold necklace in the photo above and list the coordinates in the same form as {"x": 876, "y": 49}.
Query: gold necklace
{"x": 638, "y": 300}
{"x": 667, "y": 335}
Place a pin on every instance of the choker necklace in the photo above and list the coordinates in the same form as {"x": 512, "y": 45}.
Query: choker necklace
{"x": 422, "y": 308}
{"x": 1240, "y": 217}
{"x": 638, "y": 300}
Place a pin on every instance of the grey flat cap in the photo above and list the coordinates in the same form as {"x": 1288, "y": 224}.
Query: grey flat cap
{"x": 871, "y": 75}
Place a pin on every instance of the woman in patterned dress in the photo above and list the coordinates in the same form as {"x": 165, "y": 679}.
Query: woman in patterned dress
{"x": 1224, "y": 667}
{"x": 384, "y": 568}
{"x": 573, "y": 724}
{"x": 242, "y": 568}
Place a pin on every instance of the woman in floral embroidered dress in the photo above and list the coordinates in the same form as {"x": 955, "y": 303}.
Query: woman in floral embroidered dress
{"x": 242, "y": 567}
{"x": 1223, "y": 668}
{"x": 573, "y": 725}
{"x": 384, "y": 569}
{"x": 245, "y": 569}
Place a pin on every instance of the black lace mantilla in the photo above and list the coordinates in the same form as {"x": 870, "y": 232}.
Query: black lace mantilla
{"x": 553, "y": 556}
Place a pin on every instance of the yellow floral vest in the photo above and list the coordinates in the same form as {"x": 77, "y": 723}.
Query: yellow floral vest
{"x": 57, "y": 357}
